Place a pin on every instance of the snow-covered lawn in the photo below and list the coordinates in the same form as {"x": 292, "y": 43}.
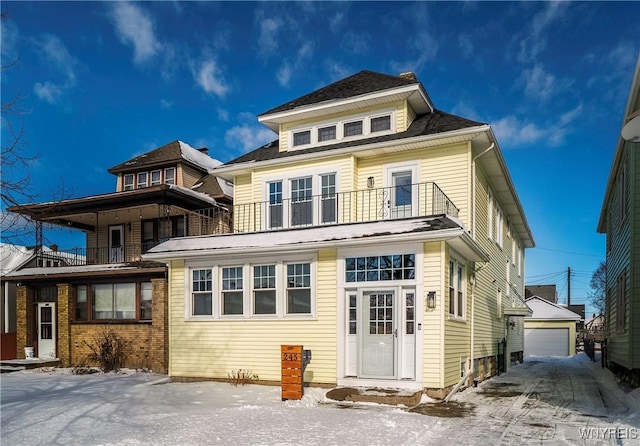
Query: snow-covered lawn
{"x": 543, "y": 401}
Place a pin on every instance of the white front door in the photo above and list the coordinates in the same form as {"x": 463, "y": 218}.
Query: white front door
{"x": 46, "y": 330}
{"x": 378, "y": 336}
{"x": 116, "y": 244}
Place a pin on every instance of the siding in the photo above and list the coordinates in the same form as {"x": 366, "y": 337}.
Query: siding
{"x": 634, "y": 276}
{"x": 618, "y": 261}
{"x": 213, "y": 348}
{"x": 432, "y": 356}
{"x": 190, "y": 176}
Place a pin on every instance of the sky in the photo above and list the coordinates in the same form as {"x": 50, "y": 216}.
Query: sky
{"x": 101, "y": 82}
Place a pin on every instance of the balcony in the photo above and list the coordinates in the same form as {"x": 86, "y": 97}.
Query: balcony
{"x": 373, "y": 204}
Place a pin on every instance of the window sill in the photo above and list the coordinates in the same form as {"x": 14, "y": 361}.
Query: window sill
{"x": 458, "y": 319}
{"x": 112, "y": 322}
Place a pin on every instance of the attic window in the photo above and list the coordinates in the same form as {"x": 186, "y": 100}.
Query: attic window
{"x": 353, "y": 128}
{"x": 170, "y": 175}
{"x": 156, "y": 177}
{"x": 128, "y": 181}
{"x": 327, "y": 133}
{"x": 302, "y": 138}
{"x": 380, "y": 124}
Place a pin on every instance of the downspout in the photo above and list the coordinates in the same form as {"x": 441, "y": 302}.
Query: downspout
{"x": 472, "y": 278}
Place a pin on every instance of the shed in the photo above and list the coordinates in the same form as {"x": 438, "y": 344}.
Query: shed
{"x": 550, "y": 330}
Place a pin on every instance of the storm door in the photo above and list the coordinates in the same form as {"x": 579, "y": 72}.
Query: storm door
{"x": 46, "y": 330}
{"x": 379, "y": 334}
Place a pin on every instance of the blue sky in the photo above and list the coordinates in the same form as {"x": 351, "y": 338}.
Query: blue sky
{"x": 104, "y": 81}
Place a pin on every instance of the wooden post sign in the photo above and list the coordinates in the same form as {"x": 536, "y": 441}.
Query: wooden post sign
{"x": 292, "y": 372}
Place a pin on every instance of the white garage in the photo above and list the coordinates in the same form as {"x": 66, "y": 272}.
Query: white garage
{"x": 550, "y": 330}
{"x": 546, "y": 341}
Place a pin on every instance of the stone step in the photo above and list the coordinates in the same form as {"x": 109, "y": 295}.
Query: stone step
{"x": 392, "y": 397}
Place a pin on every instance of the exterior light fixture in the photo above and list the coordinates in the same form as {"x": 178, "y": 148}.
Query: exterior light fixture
{"x": 371, "y": 182}
{"x": 431, "y": 300}
{"x": 631, "y": 130}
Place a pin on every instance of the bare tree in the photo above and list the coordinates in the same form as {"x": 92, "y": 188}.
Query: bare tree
{"x": 598, "y": 293}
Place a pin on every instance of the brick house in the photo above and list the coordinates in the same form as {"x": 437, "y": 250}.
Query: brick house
{"x": 164, "y": 193}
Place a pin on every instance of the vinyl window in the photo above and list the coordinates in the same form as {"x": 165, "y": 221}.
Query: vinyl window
{"x": 128, "y": 182}
{"x": 264, "y": 289}
{"x": 232, "y": 290}
{"x": 202, "y": 292}
{"x": 299, "y": 288}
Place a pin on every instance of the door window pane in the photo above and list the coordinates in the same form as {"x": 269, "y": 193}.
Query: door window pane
{"x": 275, "y": 204}
{"x": 301, "y": 202}
{"x": 328, "y": 198}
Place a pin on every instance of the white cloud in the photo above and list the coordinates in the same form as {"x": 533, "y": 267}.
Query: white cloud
{"x": 56, "y": 56}
{"x": 165, "y": 104}
{"x": 209, "y": 77}
{"x": 134, "y": 27}
{"x": 512, "y": 132}
{"x": 48, "y": 92}
{"x": 248, "y": 137}
{"x": 538, "y": 83}
{"x": 284, "y": 74}
{"x": 465, "y": 44}
{"x": 536, "y": 41}
{"x": 268, "y": 38}
{"x": 223, "y": 114}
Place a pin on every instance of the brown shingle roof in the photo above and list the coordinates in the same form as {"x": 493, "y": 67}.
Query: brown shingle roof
{"x": 168, "y": 154}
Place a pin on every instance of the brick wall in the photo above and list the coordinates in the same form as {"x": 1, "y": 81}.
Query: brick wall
{"x": 24, "y": 319}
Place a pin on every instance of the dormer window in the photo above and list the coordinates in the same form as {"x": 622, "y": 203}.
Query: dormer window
{"x": 327, "y": 133}
{"x": 143, "y": 178}
{"x": 302, "y": 138}
{"x": 128, "y": 182}
{"x": 381, "y": 123}
{"x": 170, "y": 175}
{"x": 330, "y": 131}
{"x": 353, "y": 128}
{"x": 156, "y": 177}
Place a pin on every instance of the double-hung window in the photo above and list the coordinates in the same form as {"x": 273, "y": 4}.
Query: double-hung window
{"x": 456, "y": 289}
{"x": 143, "y": 179}
{"x": 299, "y": 288}
{"x": 128, "y": 182}
{"x": 264, "y": 289}
{"x": 201, "y": 292}
{"x": 232, "y": 290}
{"x": 156, "y": 177}
{"x": 170, "y": 175}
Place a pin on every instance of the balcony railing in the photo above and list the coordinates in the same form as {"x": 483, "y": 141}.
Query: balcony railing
{"x": 412, "y": 200}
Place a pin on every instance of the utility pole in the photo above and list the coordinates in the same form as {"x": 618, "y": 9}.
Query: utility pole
{"x": 568, "y": 287}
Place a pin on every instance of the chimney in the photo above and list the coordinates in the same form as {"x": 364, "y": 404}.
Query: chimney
{"x": 53, "y": 247}
{"x": 204, "y": 150}
{"x": 409, "y": 75}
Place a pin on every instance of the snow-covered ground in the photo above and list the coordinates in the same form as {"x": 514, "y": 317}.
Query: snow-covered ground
{"x": 543, "y": 401}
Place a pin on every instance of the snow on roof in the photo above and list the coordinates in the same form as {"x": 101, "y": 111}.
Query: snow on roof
{"x": 429, "y": 227}
{"x": 543, "y": 309}
{"x": 193, "y": 193}
{"x": 49, "y": 271}
{"x": 197, "y": 157}
{"x": 226, "y": 186}
{"x": 12, "y": 256}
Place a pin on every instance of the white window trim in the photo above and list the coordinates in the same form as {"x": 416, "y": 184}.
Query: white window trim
{"x": 457, "y": 261}
{"x": 133, "y": 181}
{"x": 499, "y": 225}
{"x": 138, "y": 182}
{"x": 490, "y": 214}
{"x": 150, "y": 177}
{"x": 247, "y": 277}
{"x": 339, "y": 124}
{"x": 316, "y": 191}
{"x": 165, "y": 175}
{"x": 414, "y": 168}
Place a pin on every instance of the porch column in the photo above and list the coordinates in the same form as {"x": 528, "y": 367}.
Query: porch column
{"x": 65, "y": 307}
{"x": 159, "y": 348}
{"x": 24, "y": 319}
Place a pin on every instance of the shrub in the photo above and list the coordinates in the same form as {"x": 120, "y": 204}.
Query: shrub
{"x": 108, "y": 350}
{"x": 241, "y": 377}
{"x": 82, "y": 370}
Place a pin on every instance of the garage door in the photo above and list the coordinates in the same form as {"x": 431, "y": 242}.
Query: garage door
{"x": 546, "y": 341}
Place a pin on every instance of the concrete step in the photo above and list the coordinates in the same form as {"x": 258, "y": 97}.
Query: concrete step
{"x": 392, "y": 397}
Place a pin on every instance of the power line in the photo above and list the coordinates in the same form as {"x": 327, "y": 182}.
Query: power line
{"x": 569, "y": 252}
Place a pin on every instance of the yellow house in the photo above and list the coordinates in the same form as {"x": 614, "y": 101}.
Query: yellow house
{"x": 380, "y": 233}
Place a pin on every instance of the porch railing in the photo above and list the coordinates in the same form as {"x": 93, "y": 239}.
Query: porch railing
{"x": 411, "y": 200}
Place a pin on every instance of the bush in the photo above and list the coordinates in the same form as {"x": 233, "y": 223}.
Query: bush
{"x": 108, "y": 350}
{"x": 82, "y": 370}
{"x": 241, "y": 377}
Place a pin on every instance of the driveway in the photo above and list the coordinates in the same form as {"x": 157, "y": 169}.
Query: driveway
{"x": 543, "y": 401}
